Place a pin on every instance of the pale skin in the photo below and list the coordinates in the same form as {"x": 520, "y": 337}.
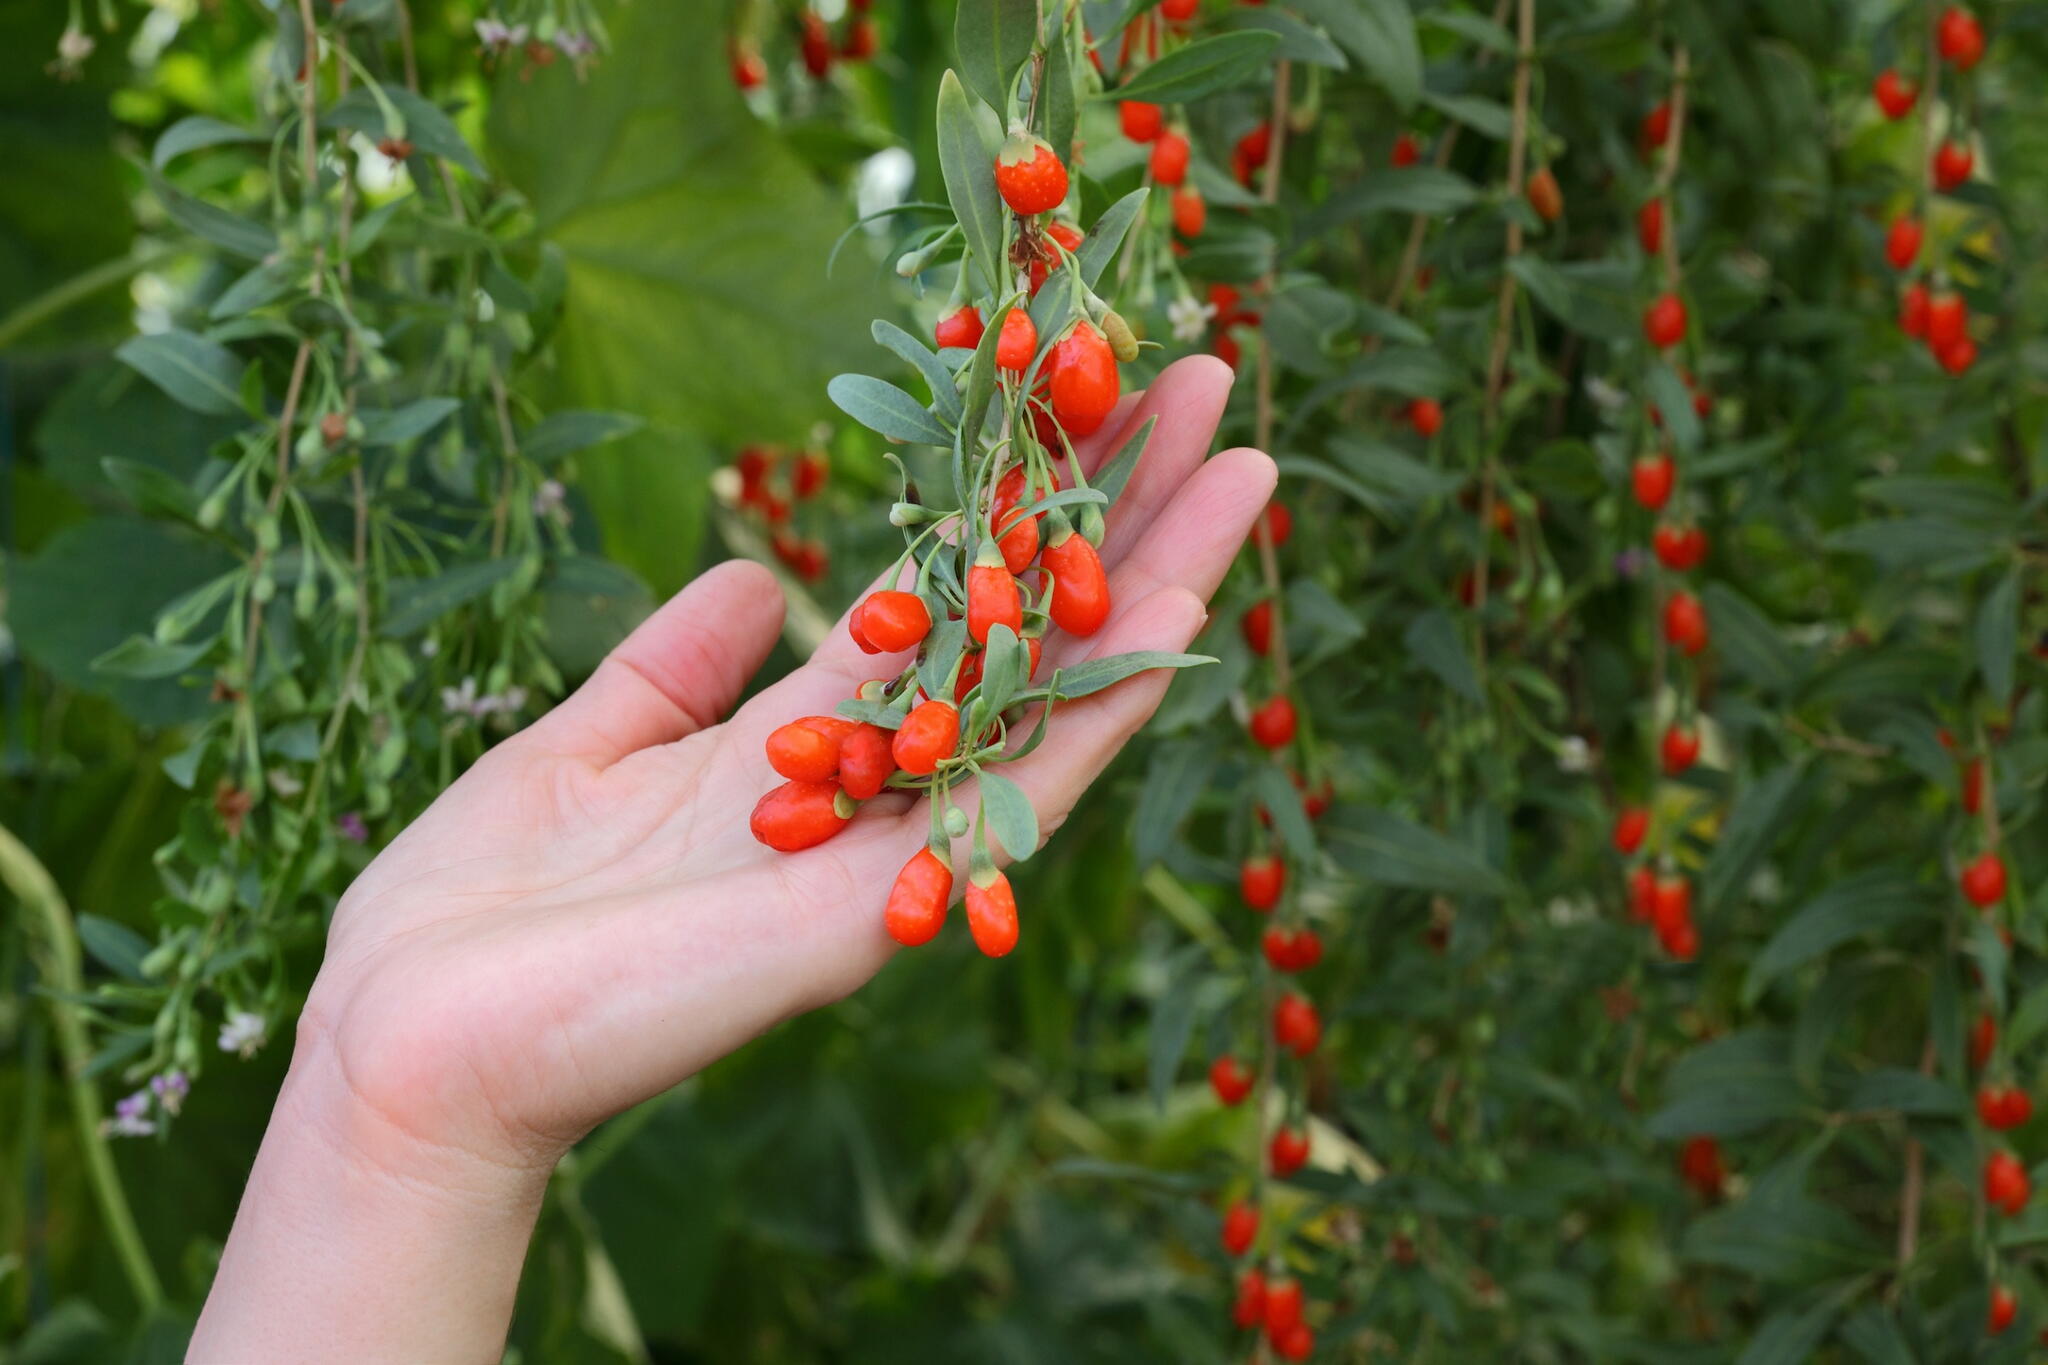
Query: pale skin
{"x": 583, "y": 921}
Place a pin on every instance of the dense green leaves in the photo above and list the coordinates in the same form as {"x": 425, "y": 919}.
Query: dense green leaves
{"x": 1203, "y": 67}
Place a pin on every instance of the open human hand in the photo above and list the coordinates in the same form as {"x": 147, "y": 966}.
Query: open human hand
{"x": 584, "y": 919}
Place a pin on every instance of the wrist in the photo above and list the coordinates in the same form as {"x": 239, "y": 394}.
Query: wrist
{"x": 361, "y": 1238}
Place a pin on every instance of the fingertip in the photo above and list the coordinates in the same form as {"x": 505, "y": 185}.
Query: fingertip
{"x": 1255, "y": 466}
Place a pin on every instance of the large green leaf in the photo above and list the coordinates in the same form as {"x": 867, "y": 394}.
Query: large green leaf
{"x": 697, "y": 297}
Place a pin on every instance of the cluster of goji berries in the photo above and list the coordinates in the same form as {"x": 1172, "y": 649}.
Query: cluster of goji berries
{"x": 1930, "y": 310}
{"x": 962, "y": 618}
{"x": 772, "y": 484}
{"x": 817, "y": 45}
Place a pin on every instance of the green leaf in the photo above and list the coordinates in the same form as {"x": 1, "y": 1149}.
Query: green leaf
{"x": 1099, "y": 247}
{"x": 1007, "y": 663}
{"x": 1749, "y": 640}
{"x": 1060, "y": 112}
{"x": 1870, "y": 901}
{"x": 396, "y": 426}
{"x": 690, "y": 244}
{"x": 945, "y": 396}
{"x": 1874, "y": 1335}
{"x": 152, "y": 490}
{"x": 232, "y": 233}
{"x": 1202, "y": 68}
{"x": 416, "y": 603}
{"x": 421, "y": 122}
{"x": 197, "y": 131}
{"x": 1096, "y": 675}
{"x": 114, "y": 946}
{"x": 1406, "y": 189}
{"x": 1432, "y": 640}
{"x": 1173, "y": 1022}
{"x": 994, "y": 39}
{"x": 871, "y": 712}
{"x": 1488, "y": 118}
{"x": 1761, "y": 812}
{"x": 1900, "y": 1090}
{"x": 1735, "y": 1085}
{"x": 1010, "y": 816}
{"x": 1674, "y": 405}
{"x": 1283, "y": 805}
{"x": 1116, "y": 473}
{"x": 139, "y": 656}
{"x": 1175, "y": 778}
{"x": 1391, "y": 850}
{"x": 565, "y": 433}
{"x": 968, "y": 165}
{"x": 882, "y": 407}
{"x": 1381, "y": 35}
{"x": 1297, "y": 41}
{"x": 1998, "y": 636}
{"x": 264, "y": 284}
{"x": 981, "y": 379}
{"x": 1793, "y": 1334}
{"x": 200, "y": 374}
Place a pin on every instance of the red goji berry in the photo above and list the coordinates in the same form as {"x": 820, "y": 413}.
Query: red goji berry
{"x": 962, "y": 329}
{"x": 1664, "y": 321}
{"x": 1190, "y": 211}
{"x": 1018, "y": 343}
{"x": 1080, "y": 593}
{"x": 1230, "y": 1079}
{"x": 866, "y": 761}
{"x": 928, "y": 737}
{"x": 1680, "y": 748}
{"x": 1685, "y": 622}
{"x": 1652, "y": 477}
{"x": 1169, "y": 162}
{"x": 1895, "y": 94}
{"x": 1257, "y": 625}
{"x": 807, "y": 750}
{"x": 1030, "y": 175}
{"x": 992, "y": 914}
{"x": 894, "y": 621}
{"x": 917, "y": 902}
{"x": 1240, "y": 1228}
{"x": 1141, "y": 121}
{"x": 1296, "y": 1025}
{"x": 1273, "y": 723}
{"x": 1085, "y": 382}
{"x": 798, "y": 815}
{"x": 1260, "y": 881}
{"x": 1983, "y": 880}
{"x": 992, "y": 600}
{"x": 1283, "y": 1298}
{"x": 1249, "y": 1310}
{"x": 1679, "y": 548}
{"x": 1286, "y": 1154}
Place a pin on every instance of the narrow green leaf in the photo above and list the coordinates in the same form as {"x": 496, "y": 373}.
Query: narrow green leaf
{"x": 564, "y": 433}
{"x": 945, "y": 395}
{"x": 968, "y": 165}
{"x": 138, "y": 656}
{"x": 994, "y": 39}
{"x": 1175, "y": 779}
{"x": 1173, "y": 1022}
{"x": 232, "y": 233}
{"x": 1283, "y": 804}
{"x": 197, "y": 131}
{"x": 1010, "y": 816}
{"x": 1099, "y": 247}
{"x": 396, "y": 426}
{"x": 882, "y": 407}
{"x": 1111, "y": 479}
{"x": 113, "y": 945}
{"x": 1870, "y": 901}
{"x": 421, "y": 122}
{"x": 200, "y": 374}
{"x": 1433, "y": 640}
{"x": 1393, "y": 850}
{"x": 1381, "y": 35}
{"x": 1998, "y": 636}
{"x": 1201, "y": 68}
{"x": 1096, "y": 675}
{"x": 417, "y": 603}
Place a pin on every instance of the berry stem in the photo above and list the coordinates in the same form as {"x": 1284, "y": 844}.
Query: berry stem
{"x": 1503, "y": 324}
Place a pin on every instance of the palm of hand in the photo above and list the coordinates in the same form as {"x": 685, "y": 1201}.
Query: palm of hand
{"x": 584, "y": 919}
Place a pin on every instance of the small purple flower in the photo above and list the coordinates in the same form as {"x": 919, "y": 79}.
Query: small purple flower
{"x": 170, "y": 1089}
{"x": 574, "y": 45}
{"x": 1631, "y": 563}
{"x": 498, "y": 36}
{"x": 131, "y": 1117}
{"x": 352, "y": 828}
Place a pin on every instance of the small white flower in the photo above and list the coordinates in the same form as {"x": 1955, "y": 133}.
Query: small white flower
{"x": 1574, "y": 755}
{"x": 1604, "y": 394}
{"x": 74, "y": 45}
{"x": 461, "y": 701}
{"x": 549, "y": 500}
{"x": 243, "y": 1033}
{"x": 1189, "y": 317}
{"x": 429, "y": 647}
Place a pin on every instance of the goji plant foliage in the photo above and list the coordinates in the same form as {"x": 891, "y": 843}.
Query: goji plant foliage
{"x": 1586, "y": 905}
